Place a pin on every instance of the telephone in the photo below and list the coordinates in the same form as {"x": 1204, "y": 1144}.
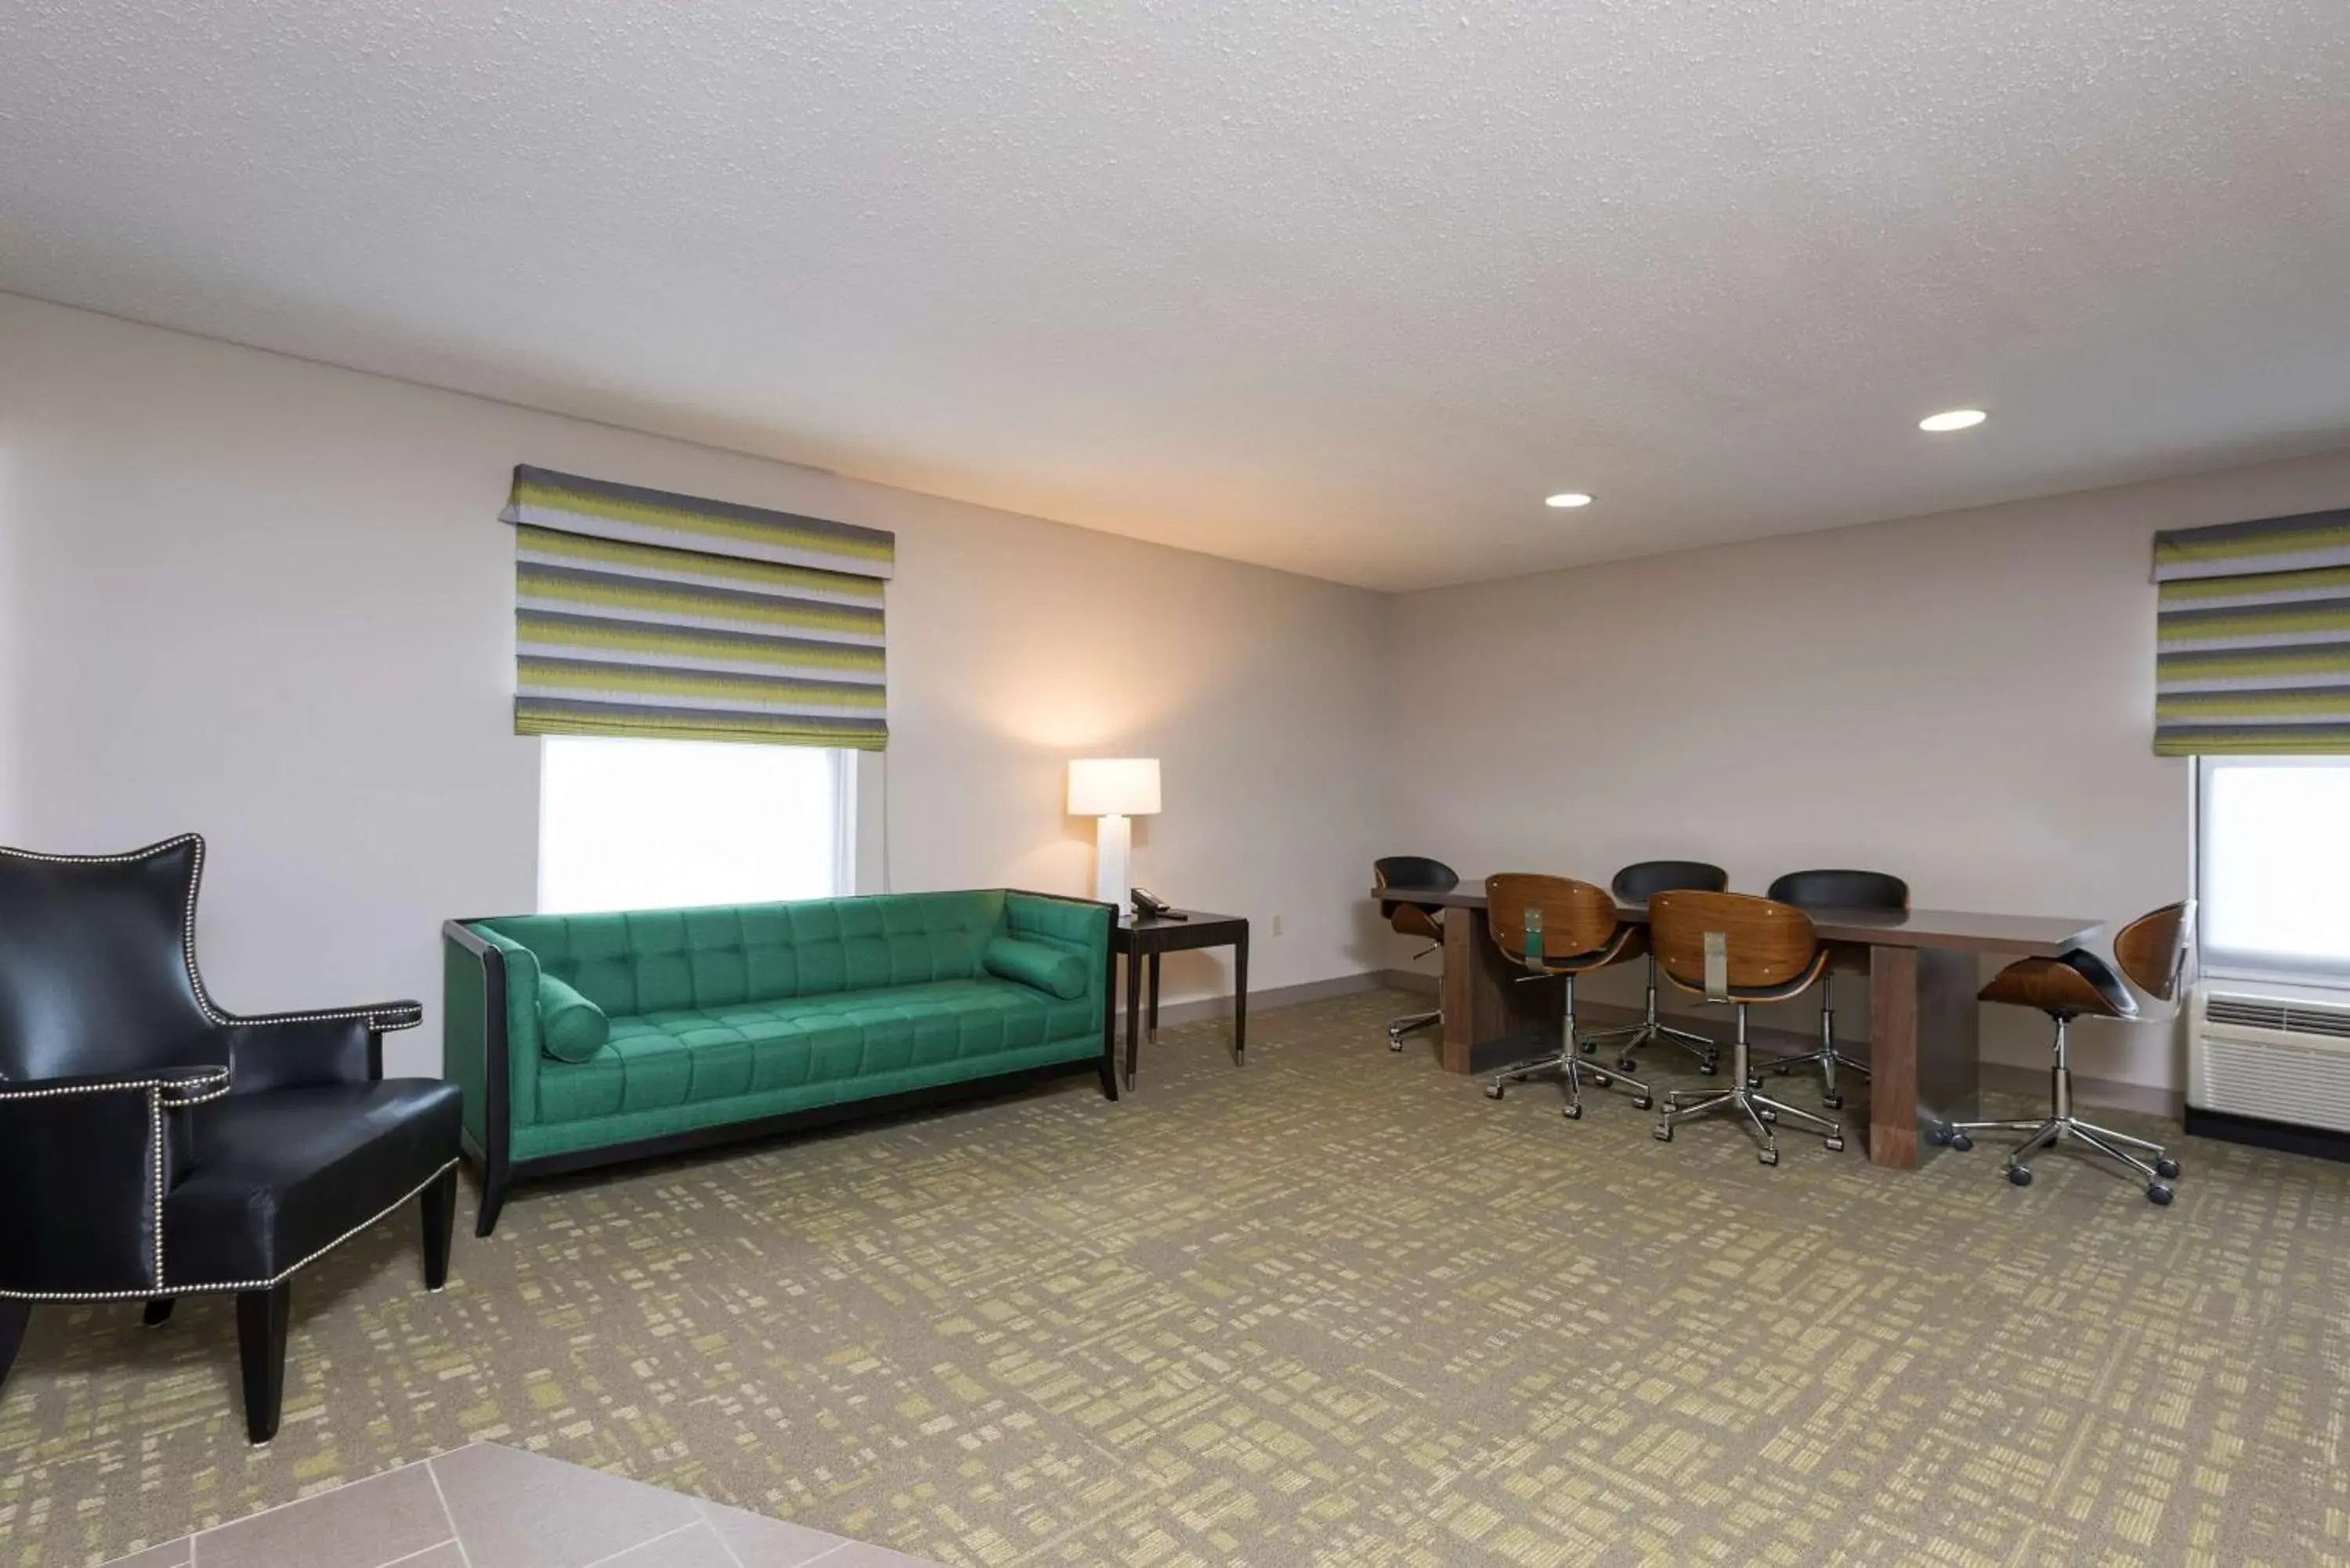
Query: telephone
{"x": 1150, "y": 905}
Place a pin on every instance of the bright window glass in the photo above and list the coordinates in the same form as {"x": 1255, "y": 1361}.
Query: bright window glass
{"x": 2273, "y": 866}
{"x": 658, "y": 825}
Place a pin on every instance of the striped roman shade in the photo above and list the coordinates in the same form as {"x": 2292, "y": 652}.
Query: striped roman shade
{"x": 641, "y": 613}
{"x": 2253, "y": 638}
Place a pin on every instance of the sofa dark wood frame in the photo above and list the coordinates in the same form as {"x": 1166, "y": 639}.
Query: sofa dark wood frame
{"x": 498, "y": 1171}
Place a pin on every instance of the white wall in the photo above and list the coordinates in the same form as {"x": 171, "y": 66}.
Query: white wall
{"x": 1964, "y": 700}
{"x": 270, "y": 600}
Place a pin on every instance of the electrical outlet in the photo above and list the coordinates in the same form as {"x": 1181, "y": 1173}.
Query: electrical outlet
{"x": 1277, "y": 925}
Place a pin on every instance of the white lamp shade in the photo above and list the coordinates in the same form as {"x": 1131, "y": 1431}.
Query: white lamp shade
{"x": 1113, "y": 786}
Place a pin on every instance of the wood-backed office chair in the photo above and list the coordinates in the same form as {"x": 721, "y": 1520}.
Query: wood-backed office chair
{"x": 1736, "y": 948}
{"x": 1836, "y": 890}
{"x": 1425, "y": 922}
{"x": 1636, "y": 884}
{"x": 1555, "y": 927}
{"x": 2153, "y": 951}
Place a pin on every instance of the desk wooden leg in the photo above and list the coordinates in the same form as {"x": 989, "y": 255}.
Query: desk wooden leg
{"x": 1133, "y": 1015}
{"x": 1152, "y": 1025}
{"x": 1923, "y": 1046}
{"x": 1483, "y": 1001}
{"x": 1240, "y": 1002}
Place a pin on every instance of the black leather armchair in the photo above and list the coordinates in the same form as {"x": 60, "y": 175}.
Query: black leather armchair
{"x": 153, "y": 1144}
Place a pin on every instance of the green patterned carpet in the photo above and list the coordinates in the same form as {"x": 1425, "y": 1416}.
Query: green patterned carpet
{"x": 1335, "y": 1308}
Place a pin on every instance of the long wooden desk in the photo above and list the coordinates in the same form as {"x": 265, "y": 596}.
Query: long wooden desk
{"x": 1923, "y": 1035}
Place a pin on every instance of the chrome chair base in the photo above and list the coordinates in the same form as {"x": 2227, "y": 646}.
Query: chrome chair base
{"x": 1411, "y": 1024}
{"x": 1762, "y": 1112}
{"x": 2062, "y": 1126}
{"x": 1650, "y": 1027}
{"x": 1827, "y": 1055}
{"x": 1572, "y": 1069}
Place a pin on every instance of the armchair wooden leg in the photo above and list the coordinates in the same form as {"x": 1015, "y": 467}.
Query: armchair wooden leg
{"x": 493, "y": 1200}
{"x": 159, "y": 1311}
{"x": 14, "y": 1315}
{"x": 260, "y": 1319}
{"x": 440, "y": 1206}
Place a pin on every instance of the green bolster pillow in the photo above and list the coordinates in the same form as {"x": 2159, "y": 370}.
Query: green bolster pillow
{"x": 1048, "y": 969}
{"x": 570, "y": 1027}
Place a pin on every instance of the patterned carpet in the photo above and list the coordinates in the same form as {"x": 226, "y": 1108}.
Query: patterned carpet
{"x": 1335, "y": 1308}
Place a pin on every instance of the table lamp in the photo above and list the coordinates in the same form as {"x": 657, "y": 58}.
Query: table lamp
{"x": 1117, "y": 790}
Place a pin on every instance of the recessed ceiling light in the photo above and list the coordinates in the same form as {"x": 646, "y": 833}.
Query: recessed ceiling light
{"x": 1568, "y": 498}
{"x": 1953, "y": 420}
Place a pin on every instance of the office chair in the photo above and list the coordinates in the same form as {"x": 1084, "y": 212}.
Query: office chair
{"x": 2153, "y": 951}
{"x": 1737, "y": 949}
{"x": 1836, "y": 890}
{"x": 1534, "y": 919}
{"x": 1422, "y": 920}
{"x": 1636, "y": 884}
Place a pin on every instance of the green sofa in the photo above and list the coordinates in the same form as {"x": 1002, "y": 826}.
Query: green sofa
{"x": 582, "y": 1040}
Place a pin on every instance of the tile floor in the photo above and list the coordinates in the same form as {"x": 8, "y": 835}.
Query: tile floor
{"x": 493, "y": 1507}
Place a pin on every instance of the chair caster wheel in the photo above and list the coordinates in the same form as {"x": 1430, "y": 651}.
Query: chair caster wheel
{"x": 2020, "y": 1175}
{"x": 1572, "y": 1113}
{"x": 1961, "y": 1142}
{"x": 1836, "y": 1145}
{"x": 1767, "y": 1115}
{"x": 1588, "y": 1046}
{"x": 1625, "y": 1064}
{"x": 1708, "y": 1068}
{"x": 1395, "y": 1042}
{"x": 1644, "y": 1102}
{"x": 1602, "y": 1079}
{"x": 1494, "y": 1091}
{"x": 1662, "y": 1132}
{"x": 1832, "y": 1102}
{"x": 2158, "y": 1195}
{"x": 1781, "y": 1069}
{"x": 1768, "y": 1155}
{"x": 1754, "y": 1082}
{"x": 2167, "y": 1169}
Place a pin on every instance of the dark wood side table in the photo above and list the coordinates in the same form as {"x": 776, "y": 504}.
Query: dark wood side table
{"x": 1141, "y": 938}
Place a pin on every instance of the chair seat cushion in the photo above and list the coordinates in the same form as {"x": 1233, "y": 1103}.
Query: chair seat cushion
{"x": 2066, "y": 986}
{"x": 656, "y": 1061}
{"x": 280, "y": 1175}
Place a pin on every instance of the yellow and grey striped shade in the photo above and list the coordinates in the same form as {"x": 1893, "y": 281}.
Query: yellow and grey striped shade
{"x": 2252, "y": 636}
{"x": 642, "y": 613}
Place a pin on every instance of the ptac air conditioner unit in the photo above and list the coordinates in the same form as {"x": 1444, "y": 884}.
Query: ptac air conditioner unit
{"x": 2270, "y": 1064}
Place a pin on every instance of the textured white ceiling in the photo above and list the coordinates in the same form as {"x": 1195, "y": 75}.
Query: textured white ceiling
{"x": 1340, "y": 286}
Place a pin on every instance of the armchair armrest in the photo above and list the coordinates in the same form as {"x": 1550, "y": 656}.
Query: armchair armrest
{"x": 332, "y": 1045}
{"x": 85, "y": 1162}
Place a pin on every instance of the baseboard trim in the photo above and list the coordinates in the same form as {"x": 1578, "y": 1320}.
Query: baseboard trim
{"x": 2114, "y": 1093}
{"x": 1200, "y": 1009}
{"x": 1409, "y": 979}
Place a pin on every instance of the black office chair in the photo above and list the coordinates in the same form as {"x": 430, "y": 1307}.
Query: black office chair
{"x": 2153, "y": 951}
{"x": 153, "y": 1144}
{"x": 1836, "y": 890}
{"x": 1425, "y": 922}
{"x": 1636, "y": 884}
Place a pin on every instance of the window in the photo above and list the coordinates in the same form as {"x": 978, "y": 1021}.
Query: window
{"x": 2273, "y": 866}
{"x": 655, "y": 824}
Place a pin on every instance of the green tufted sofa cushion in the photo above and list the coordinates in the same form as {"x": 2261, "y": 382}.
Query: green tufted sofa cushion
{"x": 570, "y": 1027}
{"x": 1053, "y": 969}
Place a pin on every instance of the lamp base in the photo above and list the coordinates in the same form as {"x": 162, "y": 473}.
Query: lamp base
{"x": 1113, "y": 860}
